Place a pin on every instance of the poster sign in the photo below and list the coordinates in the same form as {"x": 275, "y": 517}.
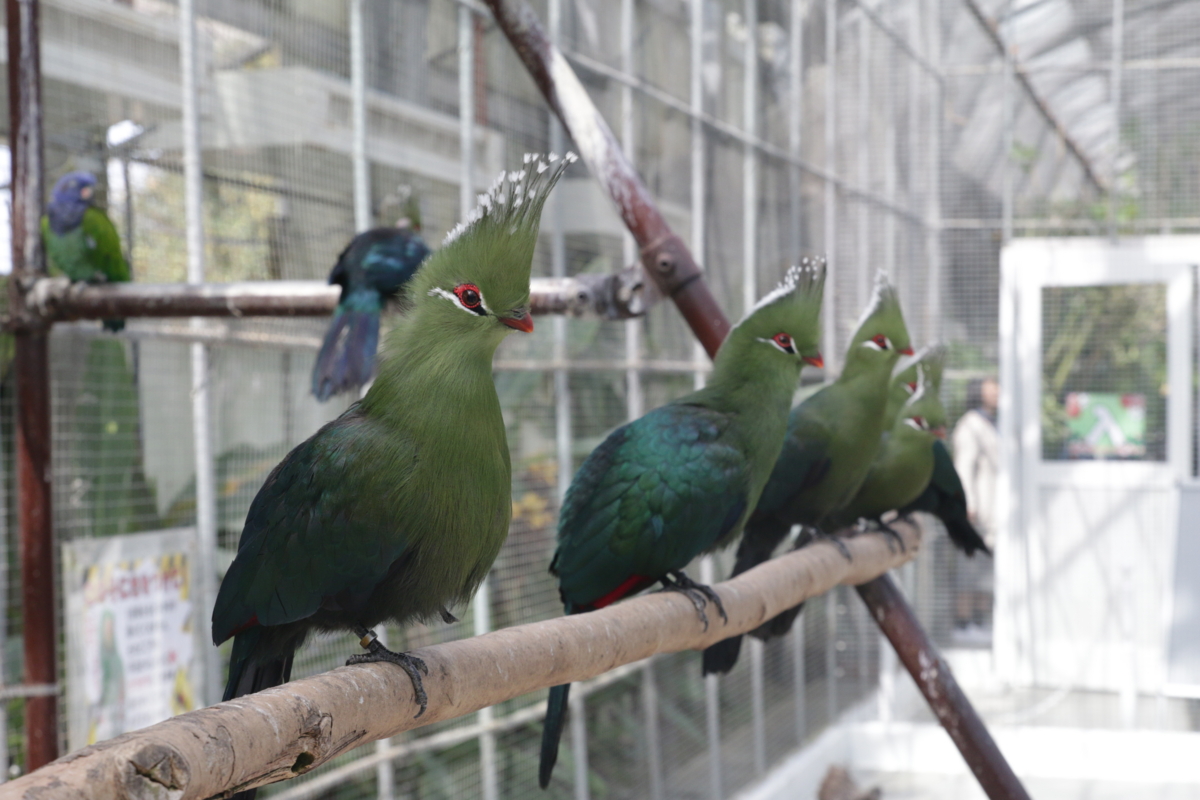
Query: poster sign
{"x": 1106, "y": 425}
{"x": 130, "y": 632}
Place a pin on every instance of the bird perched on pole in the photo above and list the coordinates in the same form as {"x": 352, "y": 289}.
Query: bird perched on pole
{"x": 681, "y": 480}
{"x": 831, "y": 439}
{"x": 396, "y": 510}
{"x": 81, "y": 241}
{"x": 904, "y": 464}
{"x": 371, "y": 270}
{"x": 943, "y": 495}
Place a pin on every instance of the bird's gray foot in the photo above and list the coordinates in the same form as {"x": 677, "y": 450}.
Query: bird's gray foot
{"x": 412, "y": 665}
{"x": 447, "y": 617}
{"x": 698, "y": 593}
{"x": 879, "y": 526}
{"x": 810, "y": 535}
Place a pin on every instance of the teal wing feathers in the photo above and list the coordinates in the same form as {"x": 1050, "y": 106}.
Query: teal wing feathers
{"x": 657, "y": 493}
{"x": 307, "y": 542}
{"x": 802, "y": 464}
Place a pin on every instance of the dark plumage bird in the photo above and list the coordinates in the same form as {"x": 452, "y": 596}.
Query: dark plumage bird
{"x": 944, "y": 496}
{"x": 372, "y": 269}
{"x": 831, "y": 440}
{"x": 396, "y": 510}
{"x": 681, "y": 480}
{"x": 81, "y": 241}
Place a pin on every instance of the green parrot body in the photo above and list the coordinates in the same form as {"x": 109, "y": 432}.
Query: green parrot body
{"x": 831, "y": 440}
{"x": 80, "y": 240}
{"x": 396, "y": 509}
{"x": 681, "y": 480}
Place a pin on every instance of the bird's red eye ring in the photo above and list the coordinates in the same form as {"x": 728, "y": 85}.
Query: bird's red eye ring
{"x": 880, "y": 340}
{"x": 468, "y": 295}
{"x": 784, "y": 342}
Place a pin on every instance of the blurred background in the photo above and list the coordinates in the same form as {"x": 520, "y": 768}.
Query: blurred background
{"x": 1026, "y": 171}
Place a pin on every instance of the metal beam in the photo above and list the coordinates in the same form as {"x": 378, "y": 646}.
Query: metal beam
{"x": 32, "y": 366}
{"x": 992, "y": 30}
{"x": 618, "y": 295}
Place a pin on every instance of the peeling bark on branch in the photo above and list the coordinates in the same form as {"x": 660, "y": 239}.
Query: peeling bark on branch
{"x": 291, "y": 729}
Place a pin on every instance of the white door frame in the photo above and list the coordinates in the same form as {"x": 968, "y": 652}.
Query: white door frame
{"x": 1028, "y": 266}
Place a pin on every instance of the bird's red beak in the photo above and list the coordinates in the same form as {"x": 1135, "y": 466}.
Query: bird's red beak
{"x": 908, "y": 351}
{"x": 816, "y": 361}
{"x": 523, "y": 323}
{"x": 912, "y": 386}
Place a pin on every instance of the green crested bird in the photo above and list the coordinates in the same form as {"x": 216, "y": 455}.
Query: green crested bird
{"x": 681, "y": 480}
{"x": 943, "y": 494}
{"x": 81, "y": 242}
{"x": 831, "y": 440}
{"x": 904, "y": 464}
{"x": 396, "y": 510}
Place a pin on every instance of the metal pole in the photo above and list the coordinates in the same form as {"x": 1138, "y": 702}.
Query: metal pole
{"x": 862, "y": 160}
{"x": 831, "y": 661}
{"x": 712, "y": 706}
{"x": 482, "y": 610}
{"x": 933, "y": 204}
{"x": 758, "y": 712}
{"x": 750, "y": 158}
{"x": 34, "y": 501}
{"x": 206, "y": 496}
{"x": 935, "y": 680}
{"x": 633, "y": 328}
{"x": 1118, "y": 57}
{"x": 1008, "y": 116}
{"x": 795, "y": 119}
{"x": 666, "y": 258}
{"x": 829, "y": 316}
{"x": 800, "y": 680}
{"x": 358, "y": 118}
{"x": 578, "y": 713}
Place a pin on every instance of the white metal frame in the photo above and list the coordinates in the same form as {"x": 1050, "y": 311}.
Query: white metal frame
{"x": 1028, "y": 266}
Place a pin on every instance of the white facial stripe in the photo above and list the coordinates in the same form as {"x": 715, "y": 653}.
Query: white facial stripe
{"x": 915, "y": 425}
{"x": 774, "y": 344}
{"x": 453, "y": 298}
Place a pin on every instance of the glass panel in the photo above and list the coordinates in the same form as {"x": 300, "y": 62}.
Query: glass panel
{"x": 1104, "y": 372}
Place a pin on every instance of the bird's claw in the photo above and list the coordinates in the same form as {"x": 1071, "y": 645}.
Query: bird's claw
{"x": 414, "y": 667}
{"x": 699, "y": 593}
{"x": 814, "y": 534}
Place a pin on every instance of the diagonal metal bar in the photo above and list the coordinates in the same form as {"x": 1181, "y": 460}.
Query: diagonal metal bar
{"x": 1043, "y": 107}
{"x": 665, "y": 257}
{"x": 600, "y": 150}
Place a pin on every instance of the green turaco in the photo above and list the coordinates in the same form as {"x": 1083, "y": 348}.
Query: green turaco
{"x": 831, "y": 440}
{"x": 81, "y": 242}
{"x": 396, "y": 510}
{"x": 681, "y": 480}
{"x": 943, "y": 495}
{"x": 904, "y": 463}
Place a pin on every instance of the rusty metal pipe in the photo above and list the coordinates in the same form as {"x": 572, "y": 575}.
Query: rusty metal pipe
{"x": 665, "y": 257}
{"x": 933, "y": 677}
{"x": 617, "y": 295}
{"x": 667, "y": 260}
{"x": 33, "y": 383}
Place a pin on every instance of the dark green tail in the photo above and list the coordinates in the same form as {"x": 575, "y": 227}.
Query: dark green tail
{"x": 246, "y": 676}
{"x": 556, "y": 714}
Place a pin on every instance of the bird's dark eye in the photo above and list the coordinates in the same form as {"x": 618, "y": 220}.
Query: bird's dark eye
{"x": 879, "y": 342}
{"x": 468, "y": 295}
{"x": 784, "y": 342}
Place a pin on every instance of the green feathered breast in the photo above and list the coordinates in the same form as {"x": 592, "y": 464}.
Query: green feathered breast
{"x": 90, "y": 252}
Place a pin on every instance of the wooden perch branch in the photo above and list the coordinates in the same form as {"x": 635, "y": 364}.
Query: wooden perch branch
{"x": 614, "y": 296}
{"x": 289, "y": 730}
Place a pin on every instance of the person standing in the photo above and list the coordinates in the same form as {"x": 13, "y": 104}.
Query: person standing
{"x": 976, "y": 443}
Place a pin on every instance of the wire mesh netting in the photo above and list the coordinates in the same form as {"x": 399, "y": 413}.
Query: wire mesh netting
{"x": 912, "y": 136}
